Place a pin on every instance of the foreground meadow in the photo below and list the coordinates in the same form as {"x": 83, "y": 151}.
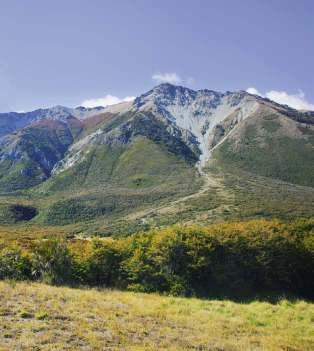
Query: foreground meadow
{"x": 35, "y": 316}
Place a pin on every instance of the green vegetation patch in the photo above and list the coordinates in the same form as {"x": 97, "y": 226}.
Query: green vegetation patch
{"x": 280, "y": 157}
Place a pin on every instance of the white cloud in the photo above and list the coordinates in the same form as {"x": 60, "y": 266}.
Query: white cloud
{"x": 254, "y": 91}
{"x": 297, "y": 101}
{"x": 106, "y": 101}
{"x": 172, "y": 78}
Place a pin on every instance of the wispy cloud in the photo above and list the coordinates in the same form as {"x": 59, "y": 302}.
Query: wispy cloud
{"x": 297, "y": 101}
{"x": 105, "y": 101}
{"x": 172, "y": 78}
{"x": 190, "y": 81}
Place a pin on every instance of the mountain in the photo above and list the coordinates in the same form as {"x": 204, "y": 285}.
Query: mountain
{"x": 14, "y": 121}
{"x": 173, "y": 154}
{"x": 32, "y": 142}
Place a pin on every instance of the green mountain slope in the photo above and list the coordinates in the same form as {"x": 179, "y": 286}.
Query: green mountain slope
{"x": 27, "y": 158}
{"x": 272, "y": 145}
{"x": 112, "y": 181}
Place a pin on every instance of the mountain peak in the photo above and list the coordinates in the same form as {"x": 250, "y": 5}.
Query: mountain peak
{"x": 197, "y": 111}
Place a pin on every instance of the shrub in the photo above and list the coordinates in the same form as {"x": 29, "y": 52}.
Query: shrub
{"x": 139, "y": 269}
{"x": 53, "y": 262}
{"x": 14, "y": 264}
{"x": 104, "y": 263}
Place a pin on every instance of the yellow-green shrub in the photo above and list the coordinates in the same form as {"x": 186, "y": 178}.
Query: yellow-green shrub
{"x": 232, "y": 259}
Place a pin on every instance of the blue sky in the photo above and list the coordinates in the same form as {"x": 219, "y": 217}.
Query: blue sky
{"x": 68, "y": 52}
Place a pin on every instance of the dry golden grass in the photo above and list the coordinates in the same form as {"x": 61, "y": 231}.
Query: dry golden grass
{"x": 23, "y": 233}
{"x": 41, "y": 317}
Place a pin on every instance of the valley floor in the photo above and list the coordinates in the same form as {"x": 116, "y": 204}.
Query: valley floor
{"x": 40, "y": 317}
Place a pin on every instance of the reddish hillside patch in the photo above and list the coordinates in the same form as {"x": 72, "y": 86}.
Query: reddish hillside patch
{"x": 95, "y": 120}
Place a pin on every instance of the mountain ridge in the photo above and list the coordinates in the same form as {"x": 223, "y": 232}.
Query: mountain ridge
{"x": 145, "y": 155}
{"x": 202, "y": 119}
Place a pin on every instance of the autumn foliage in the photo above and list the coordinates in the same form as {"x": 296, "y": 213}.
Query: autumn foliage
{"x": 228, "y": 260}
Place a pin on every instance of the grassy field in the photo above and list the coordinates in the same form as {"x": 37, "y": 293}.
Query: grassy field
{"x": 41, "y": 317}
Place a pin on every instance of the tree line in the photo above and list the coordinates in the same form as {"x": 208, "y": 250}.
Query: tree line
{"x": 237, "y": 260}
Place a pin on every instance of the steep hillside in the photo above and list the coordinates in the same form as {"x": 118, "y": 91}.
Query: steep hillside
{"x": 27, "y": 157}
{"x": 271, "y": 144}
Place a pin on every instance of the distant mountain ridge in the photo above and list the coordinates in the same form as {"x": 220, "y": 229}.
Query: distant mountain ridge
{"x": 13, "y": 121}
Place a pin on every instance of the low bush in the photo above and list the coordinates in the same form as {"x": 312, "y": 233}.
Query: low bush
{"x": 14, "y": 264}
{"x": 52, "y": 262}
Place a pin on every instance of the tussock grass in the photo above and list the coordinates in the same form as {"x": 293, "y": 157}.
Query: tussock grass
{"x": 41, "y": 317}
